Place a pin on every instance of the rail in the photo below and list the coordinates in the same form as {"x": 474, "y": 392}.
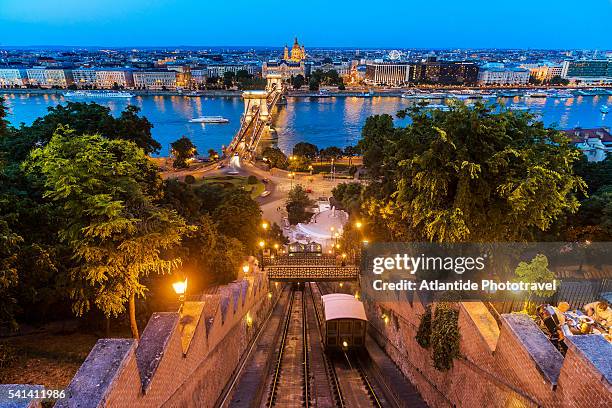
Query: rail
{"x": 305, "y": 353}
{"x": 281, "y": 350}
{"x": 329, "y": 365}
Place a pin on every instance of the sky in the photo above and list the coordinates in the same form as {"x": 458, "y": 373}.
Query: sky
{"x": 565, "y": 24}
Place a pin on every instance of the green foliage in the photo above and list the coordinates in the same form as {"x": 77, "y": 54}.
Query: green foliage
{"x": 183, "y": 150}
{"x": 468, "y": 174}
{"x": 297, "y": 205}
{"x": 190, "y": 179}
{"x": 9, "y": 245}
{"x": 595, "y": 174}
{"x": 331, "y": 152}
{"x": 299, "y": 163}
{"x": 535, "y": 271}
{"x": 593, "y": 221}
{"x": 239, "y": 217}
{"x": 349, "y": 195}
{"x": 331, "y": 78}
{"x": 423, "y": 336}
{"x": 298, "y": 81}
{"x": 251, "y": 179}
{"x": 111, "y": 222}
{"x": 83, "y": 118}
{"x": 445, "y": 336}
{"x": 306, "y": 149}
{"x": 275, "y": 157}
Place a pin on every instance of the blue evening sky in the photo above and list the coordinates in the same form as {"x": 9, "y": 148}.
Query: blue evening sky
{"x": 317, "y": 23}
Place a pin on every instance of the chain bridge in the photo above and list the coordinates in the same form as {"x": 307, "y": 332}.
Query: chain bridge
{"x": 257, "y": 118}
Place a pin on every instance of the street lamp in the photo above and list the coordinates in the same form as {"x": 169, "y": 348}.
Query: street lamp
{"x": 291, "y": 176}
{"x": 358, "y": 225}
{"x": 180, "y": 288}
{"x": 245, "y": 268}
{"x": 262, "y": 245}
{"x": 264, "y": 225}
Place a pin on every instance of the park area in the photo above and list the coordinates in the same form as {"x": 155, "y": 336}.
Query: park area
{"x": 251, "y": 184}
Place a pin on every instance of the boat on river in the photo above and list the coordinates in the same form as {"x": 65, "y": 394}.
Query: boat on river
{"x": 98, "y": 94}
{"x": 209, "y": 119}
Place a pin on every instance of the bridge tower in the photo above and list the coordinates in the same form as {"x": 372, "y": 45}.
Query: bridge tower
{"x": 275, "y": 82}
{"x": 254, "y": 100}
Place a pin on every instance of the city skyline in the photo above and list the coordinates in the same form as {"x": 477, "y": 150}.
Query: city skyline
{"x": 163, "y": 23}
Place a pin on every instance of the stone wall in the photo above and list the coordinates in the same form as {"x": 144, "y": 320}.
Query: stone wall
{"x": 509, "y": 366}
{"x": 181, "y": 359}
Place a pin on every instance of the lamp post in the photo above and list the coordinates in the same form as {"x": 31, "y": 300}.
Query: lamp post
{"x": 180, "y": 288}
{"x": 291, "y": 176}
{"x": 262, "y": 245}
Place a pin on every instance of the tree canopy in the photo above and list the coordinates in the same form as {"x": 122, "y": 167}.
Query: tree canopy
{"x": 83, "y": 118}
{"x": 469, "y": 174}
{"x": 183, "y": 150}
{"x": 111, "y": 221}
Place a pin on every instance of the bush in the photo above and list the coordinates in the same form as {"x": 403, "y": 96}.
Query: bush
{"x": 423, "y": 336}
{"x": 251, "y": 180}
{"x": 189, "y": 179}
{"x": 445, "y": 336}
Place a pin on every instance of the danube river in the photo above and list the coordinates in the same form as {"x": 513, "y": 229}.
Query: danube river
{"x": 325, "y": 122}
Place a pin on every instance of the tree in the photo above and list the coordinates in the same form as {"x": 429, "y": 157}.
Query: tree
{"x": 83, "y": 118}
{"x": 298, "y": 81}
{"x": 239, "y": 217}
{"x": 306, "y": 149}
{"x": 297, "y": 205}
{"x": 331, "y": 152}
{"x": 275, "y": 157}
{"x": 558, "y": 80}
{"x": 9, "y": 245}
{"x": 595, "y": 174}
{"x": 183, "y": 150}
{"x": 377, "y": 130}
{"x": 468, "y": 174}
{"x": 349, "y": 195}
{"x": 350, "y": 152}
{"x": 111, "y": 222}
{"x": 535, "y": 271}
{"x": 313, "y": 84}
{"x": 228, "y": 79}
{"x": 593, "y": 221}
{"x": 212, "y": 154}
{"x": 299, "y": 163}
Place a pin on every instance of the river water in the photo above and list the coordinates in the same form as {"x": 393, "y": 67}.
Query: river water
{"x": 333, "y": 121}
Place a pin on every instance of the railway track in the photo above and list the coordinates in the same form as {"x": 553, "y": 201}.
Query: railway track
{"x": 290, "y": 383}
{"x": 325, "y": 388}
{"x": 356, "y": 387}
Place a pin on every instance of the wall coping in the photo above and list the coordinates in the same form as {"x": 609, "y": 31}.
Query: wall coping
{"x": 484, "y": 321}
{"x": 93, "y": 381}
{"x": 596, "y": 350}
{"x": 153, "y": 343}
{"x": 547, "y": 359}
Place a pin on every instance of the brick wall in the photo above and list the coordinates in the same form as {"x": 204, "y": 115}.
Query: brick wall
{"x": 182, "y": 359}
{"x": 511, "y": 366}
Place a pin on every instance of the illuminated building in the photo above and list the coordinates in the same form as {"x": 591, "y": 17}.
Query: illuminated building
{"x": 292, "y": 64}
{"x": 11, "y": 77}
{"x": 588, "y": 71}
{"x": 155, "y": 79}
{"x": 49, "y": 78}
{"x": 503, "y": 76}
{"x": 387, "y": 73}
